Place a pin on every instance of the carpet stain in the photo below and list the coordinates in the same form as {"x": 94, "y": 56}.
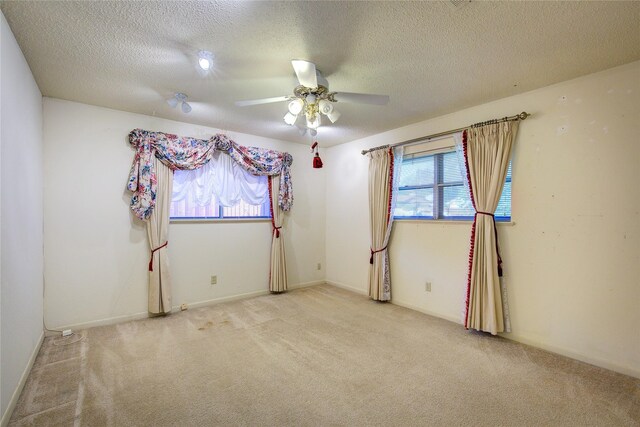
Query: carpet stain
{"x": 206, "y": 326}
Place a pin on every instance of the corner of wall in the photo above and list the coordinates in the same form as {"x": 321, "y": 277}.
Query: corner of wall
{"x": 21, "y": 220}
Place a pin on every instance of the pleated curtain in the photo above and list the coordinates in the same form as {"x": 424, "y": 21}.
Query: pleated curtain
{"x": 278, "y": 273}
{"x": 157, "y": 231}
{"x": 381, "y": 198}
{"x": 221, "y": 179}
{"x": 487, "y": 150}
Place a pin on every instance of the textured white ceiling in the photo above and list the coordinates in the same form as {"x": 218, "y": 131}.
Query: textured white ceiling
{"x": 431, "y": 58}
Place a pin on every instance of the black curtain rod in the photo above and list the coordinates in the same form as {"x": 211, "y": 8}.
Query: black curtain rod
{"x": 521, "y": 116}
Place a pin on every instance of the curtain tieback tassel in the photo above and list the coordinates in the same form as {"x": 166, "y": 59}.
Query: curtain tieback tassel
{"x": 375, "y": 252}
{"x": 277, "y": 231}
{"x": 153, "y": 252}
{"x": 495, "y": 231}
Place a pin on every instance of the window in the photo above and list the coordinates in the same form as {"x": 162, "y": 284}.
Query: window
{"x": 219, "y": 190}
{"x": 187, "y": 209}
{"x": 431, "y": 186}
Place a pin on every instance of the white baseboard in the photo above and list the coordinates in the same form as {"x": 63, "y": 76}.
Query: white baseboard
{"x": 347, "y": 287}
{"x": 631, "y": 371}
{"x": 104, "y": 322}
{"x": 222, "y": 299}
{"x": 176, "y": 308}
{"x": 23, "y": 380}
{"x": 626, "y": 370}
{"x": 306, "y": 284}
{"x": 524, "y": 340}
{"x": 422, "y": 310}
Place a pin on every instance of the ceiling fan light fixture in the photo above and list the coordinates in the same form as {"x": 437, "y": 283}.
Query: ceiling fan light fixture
{"x": 179, "y": 98}
{"x": 295, "y": 106}
{"x": 312, "y": 99}
{"x": 314, "y": 123}
{"x": 325, "y": 107}
{"x": 290, "y": 119}
{"x": 334, "y": 115}
{"x": 205, "y": 60}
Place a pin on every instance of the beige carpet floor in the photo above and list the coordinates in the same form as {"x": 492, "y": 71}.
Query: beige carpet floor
{"x": 313, "y": 356}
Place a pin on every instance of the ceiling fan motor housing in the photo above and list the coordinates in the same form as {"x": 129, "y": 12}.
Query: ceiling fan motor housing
{"x": 318, "y": 94}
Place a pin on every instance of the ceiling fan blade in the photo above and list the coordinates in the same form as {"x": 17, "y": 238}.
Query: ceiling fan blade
{"x": 362, "y": 98}
{"x": 306, "y": 72}
{"x": 250, "y": 102}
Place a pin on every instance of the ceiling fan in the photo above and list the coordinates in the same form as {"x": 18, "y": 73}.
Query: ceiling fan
{"x": 312, "y": 98}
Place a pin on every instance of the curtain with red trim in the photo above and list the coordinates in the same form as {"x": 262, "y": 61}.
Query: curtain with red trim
{"x": 487, "y": 150}
{"x": 382, "y": 180}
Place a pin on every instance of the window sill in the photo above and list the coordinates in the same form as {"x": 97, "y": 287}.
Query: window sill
{"x": 211, "y": 220}
{"x": 448, "y": 221}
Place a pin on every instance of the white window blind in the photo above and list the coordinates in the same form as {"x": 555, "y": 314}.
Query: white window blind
{"x": 432, "y": 186}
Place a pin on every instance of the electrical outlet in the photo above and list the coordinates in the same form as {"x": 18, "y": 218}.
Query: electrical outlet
{"x": 183, "y": 306}
{"x": 214, "y": 280}
{"x": 319, "y": 267}
{"x": 427, "y": 287}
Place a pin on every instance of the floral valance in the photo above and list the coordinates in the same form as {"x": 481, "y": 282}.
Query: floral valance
{"x": 191, "y": 153}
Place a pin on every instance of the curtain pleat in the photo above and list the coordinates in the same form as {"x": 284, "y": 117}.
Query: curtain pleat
{"x": 487, "y": 151}
{"x": 278, "y": 275}
{"x": 158, "y": 231}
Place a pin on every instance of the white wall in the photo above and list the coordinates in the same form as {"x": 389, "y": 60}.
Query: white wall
{"x": 96, "y": 251}
{"x": 572, "y": 259}
{"x": 21, "y": 217}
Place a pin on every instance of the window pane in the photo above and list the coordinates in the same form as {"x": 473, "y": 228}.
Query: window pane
{"x": 418, "y": 202}
{"x": 244, "y": 210}
{"x": 451, "y": 168}
{"x": 504, "y": 205}
{"x": 417, "y": 171}
{"x": 456, "y": 202}
{"x": 187, "y": 208}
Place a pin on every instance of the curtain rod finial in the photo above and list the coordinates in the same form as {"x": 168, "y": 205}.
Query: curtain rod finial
{"x": 523, "y": 115}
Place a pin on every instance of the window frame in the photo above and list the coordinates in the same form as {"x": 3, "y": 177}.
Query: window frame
{"x": 438, "y": 187}
{"x": 221, "y": 217}
{"x": 198, "y": 220}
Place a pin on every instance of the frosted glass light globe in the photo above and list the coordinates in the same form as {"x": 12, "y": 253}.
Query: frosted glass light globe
{"x": 325, "y": 106}
{"x": 290, "y": 119}
{"x": 295, "y": 106}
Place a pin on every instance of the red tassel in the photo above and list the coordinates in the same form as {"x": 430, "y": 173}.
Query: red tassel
{"x": 153, "y": 252}
{"x": 317, "y": 161}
